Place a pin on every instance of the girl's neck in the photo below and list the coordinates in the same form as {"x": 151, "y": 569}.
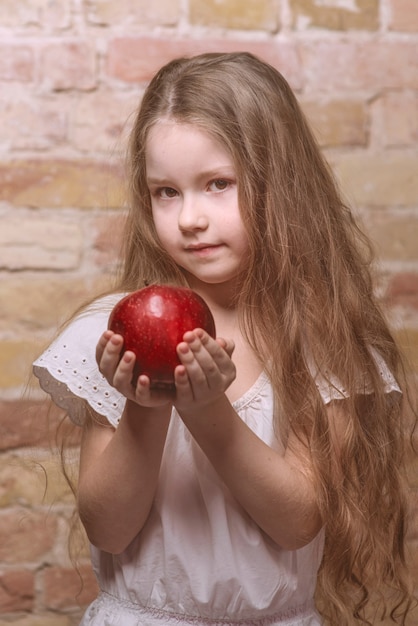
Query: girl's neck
{"x": 221, "y": 298}
{"x": 222, "y": 301}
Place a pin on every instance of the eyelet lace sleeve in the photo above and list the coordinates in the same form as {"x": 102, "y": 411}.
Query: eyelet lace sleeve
{"x": 331, "y": 388}
{"x": 68, "y": 371}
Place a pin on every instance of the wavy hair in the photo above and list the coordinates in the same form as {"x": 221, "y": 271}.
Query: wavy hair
{"x": 308, "y": 286}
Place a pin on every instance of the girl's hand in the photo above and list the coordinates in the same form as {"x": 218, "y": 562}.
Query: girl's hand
{"x": 206, "y": 371}
{"x": 118, "y": 369}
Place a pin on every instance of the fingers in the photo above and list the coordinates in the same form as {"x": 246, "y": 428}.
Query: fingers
{"x": 227, "y": 344}
{"x": 115, "y": 365}
{"x": 101, "y": 345}
{"x": 108, "y": 352}
{"x": 145, "y": 395}
{"x": 206, "y": 367}
{"x": 118, "y": 368}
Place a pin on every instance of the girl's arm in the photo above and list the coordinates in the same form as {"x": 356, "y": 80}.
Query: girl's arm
{"x": 119, "y": 468}
{"x": 119, "y": 473}
{"x": 277, "y": 490}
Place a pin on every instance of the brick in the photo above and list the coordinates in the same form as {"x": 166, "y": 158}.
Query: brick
{"x": 24, "y": 423}
{"x": 34, "y": 423}
{"x": 56, "y": 14}
{"x": 394, "y": 235}
{"x": 33, "y": 481}
{"x": 41, "y": 301}
{"x": 60, "y": 183}
{"x": 17, "y": 63}
{"x": 30, "y": 12}
{"x": 21, "y": 482}
{"x": 39, "y": 242}
{"x": 408, "y": 341}
{"x": 26, "y": 536}
{"x": 17, "y": 591}
{"x": 133, "y": 12}
{"x": 20, "y": 13}
{"x": 66, "y": 587}
{"x": 16, "y": 356}
{"x": 385, "y": 179}
{"x": 136, "y": 59}
{"x": 400, "y": 298}
{"x": 399, "y": 119}
{"x": 235, "y": 14}
{"x": 404, "y": 16}
{"x": 358, "y": 15}
{"x": 68, "y": 65}
{"x": 101, "y": 121}
{"x": 31, "y": 125}
{"x": 370, "y": 65}
{"x": 338, "y": 122}
{"x": 403, "y": 290}
{"x": 107, "y": 242}
{"x": 57, "y": 491}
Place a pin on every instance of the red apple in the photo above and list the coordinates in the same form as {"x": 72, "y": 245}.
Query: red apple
{"x": 152, "y": 322}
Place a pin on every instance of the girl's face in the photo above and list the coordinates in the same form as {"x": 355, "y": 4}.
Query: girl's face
{"x": 193, "y": 186}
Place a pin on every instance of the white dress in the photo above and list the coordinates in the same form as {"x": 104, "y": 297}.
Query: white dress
{"x": 200, "y": 559}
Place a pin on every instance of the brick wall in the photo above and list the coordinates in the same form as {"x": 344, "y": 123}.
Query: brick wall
{"x": 71, "y": 73}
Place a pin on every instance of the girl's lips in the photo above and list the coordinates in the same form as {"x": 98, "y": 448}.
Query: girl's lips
{"x": 203, "y": 249}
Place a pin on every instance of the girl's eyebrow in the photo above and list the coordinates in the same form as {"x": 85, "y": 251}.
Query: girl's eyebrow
{"x": 219, "y": 171}
{"x": 156, "y": 181}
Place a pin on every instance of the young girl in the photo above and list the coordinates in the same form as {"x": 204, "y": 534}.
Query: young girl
{"x": 278, "y": 458}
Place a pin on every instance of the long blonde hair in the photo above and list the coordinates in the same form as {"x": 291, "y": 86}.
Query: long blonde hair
{"x": 309, "y": 287}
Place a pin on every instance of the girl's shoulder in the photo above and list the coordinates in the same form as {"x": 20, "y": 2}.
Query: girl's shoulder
{"x": 67, "y": 369}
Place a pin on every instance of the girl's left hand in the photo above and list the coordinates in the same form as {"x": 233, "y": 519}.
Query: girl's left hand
{"x": 206, "y": 370}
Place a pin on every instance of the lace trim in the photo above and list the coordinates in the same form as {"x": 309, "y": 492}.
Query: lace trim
{"x": 71, "y": 395}
{"x": 252, "y": 393}
{"x": 107, "y": 601}
{"x": 331, "y": 388}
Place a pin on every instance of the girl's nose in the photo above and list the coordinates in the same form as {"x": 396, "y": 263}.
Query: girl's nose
{"x": 192, "y": 217}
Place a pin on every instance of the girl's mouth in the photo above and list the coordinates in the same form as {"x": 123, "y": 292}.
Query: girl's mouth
{"x": 203, "y": 249}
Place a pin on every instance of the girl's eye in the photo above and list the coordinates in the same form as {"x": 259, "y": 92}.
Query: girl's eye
{"x": 167, "y": 192}
{"x": 220, "y": 184}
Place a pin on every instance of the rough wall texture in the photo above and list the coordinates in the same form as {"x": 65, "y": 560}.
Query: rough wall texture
{"x": 71, "y": 74}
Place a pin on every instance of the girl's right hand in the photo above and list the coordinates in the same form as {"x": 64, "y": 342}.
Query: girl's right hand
{"x": 118, "y": 369}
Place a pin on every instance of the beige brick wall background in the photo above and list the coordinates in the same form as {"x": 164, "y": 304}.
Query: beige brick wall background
{"x": 71, "y": 74}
